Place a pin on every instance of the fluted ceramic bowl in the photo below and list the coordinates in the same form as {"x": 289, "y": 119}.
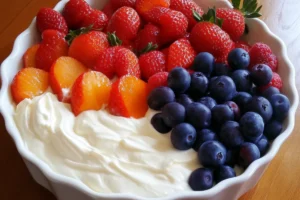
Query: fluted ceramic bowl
{"x": 65, "y": 188}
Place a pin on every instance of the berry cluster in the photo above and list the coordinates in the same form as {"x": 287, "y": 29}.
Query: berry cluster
{"x": 217, "y": 111}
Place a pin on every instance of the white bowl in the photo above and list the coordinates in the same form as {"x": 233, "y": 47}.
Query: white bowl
{"x": 67, "y": 188}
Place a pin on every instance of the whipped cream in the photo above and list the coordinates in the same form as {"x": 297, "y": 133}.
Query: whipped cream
{"x": 107, "y": 153}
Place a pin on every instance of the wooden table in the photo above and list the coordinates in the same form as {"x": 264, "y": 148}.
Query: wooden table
{"x": 280, "y": 181}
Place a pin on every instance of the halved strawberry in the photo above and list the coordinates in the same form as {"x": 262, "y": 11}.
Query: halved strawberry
{"x": 152, "y": 63}
{"x": 29, "y": 56}
{"x": 29, "y": 83}
{"x": 143, "y": 6}
{"x": 63, "y": 74}
{"x": 128, "y": 97}
{"x": 90, "y": 91}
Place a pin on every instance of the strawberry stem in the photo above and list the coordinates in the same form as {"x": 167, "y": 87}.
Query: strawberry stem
{"x": 74, "y": 33}
{"x": 113, "y": 39}
{"x": 150, "y": 47}
{"x": 210, "y": 16}
{"x": 249, "y": 8}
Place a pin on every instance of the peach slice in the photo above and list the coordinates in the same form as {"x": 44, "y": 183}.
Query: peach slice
{"x": 29, "y": 56}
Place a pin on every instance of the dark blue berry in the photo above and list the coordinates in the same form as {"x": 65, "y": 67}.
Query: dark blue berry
{"x": 212, "y": 154}
{"x": 179, "y": 80}
{"x": 223, "y": 172}
{"x": 203, "y": 136}
{"x": 220, "y": 114}
{"x": 252, "y": 124}
{"x": 159, "y": 124}
{"x": 183, "y": 136}
{"x": 253, "y": 139}
{"x": 235, "y": 108}
{"x": 230, "y": 135}
{"x": 201, "y": 179}
{"x": 242, "y": 80}
{"x": 242, "y": 99}
{"x": 184, "y": 100}
{"x": 281, "y": 106}
{"x": 199, "y": 85}
{"x": 198, "y": 115}
{"x": 269, "y": 92}
{"x": 254, "y": 91}
{"x": 208, "y": 102}
{"x": 159, "y": 97}
{"x": 273, "y": 129}
{"x": 238, "y": 59}
{"x": 249, "y": 152}
{"x": 204, "y": 62}
{"x": 173, "y": 114}
{"x": 222, "y": 69}
{"x": 263, "y": 145}
{"x": 222, "y": 89}
{"x": 261, "y": 74}
{"x": 262, "y": 106}
{"x": 232, "y": 156}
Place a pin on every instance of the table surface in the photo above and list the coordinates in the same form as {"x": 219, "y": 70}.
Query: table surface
{"x": 280, "y": 181}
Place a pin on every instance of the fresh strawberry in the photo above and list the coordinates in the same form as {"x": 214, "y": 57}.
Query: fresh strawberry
{"x": 75, "y": 12}
{"x": 158, "y": 80}
{"x": 86, "y": 48}
{"x": 261, "y": 53}
{"x": 108, "y": 10}
{"x": 275, "y": 82}
{"x": 29, "y": 83}
{"x": 125, "y": 22}
{"x": 116, "y": 4}
{"x": 143, "y": 6}
{"x": 165, "y": 52}
{"x": 242, "y": 44}
{"x": 126, "y": 63}
{"x": 173, "y": 26}
{"x": 154, "y": 14}
{"x": 63, "y": 74}
{"x": 97, "y": 19}
{"x": 52, "y": 47}
{"x": 128, "y": 97}
{"x": 90, "y": 91}
{"x": 181, "y": 53}
{"x": 29, "y": 56}
{"x": 187, "y": 7}
{"x": 47, "y": 18}
{"x": 151, "y": 63}
{"x": 150, "y": 34}
{"x": 234, "y": 19}
{"x": 209, "y": 37}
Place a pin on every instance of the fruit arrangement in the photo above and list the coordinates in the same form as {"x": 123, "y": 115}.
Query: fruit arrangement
{"x": 214, "y": 92}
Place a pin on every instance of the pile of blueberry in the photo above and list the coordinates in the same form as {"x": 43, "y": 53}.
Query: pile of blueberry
{"x": 217, "y": 111}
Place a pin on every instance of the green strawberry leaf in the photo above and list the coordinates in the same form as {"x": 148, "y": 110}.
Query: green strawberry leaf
{"x": 236, "y": 3}
{"x": 197, "y": 17}
{"x": 150, "y": 47}
{"x": 250, "y": 9}
{"x": 74, "y": 33}
{"x": 113, "y": 39}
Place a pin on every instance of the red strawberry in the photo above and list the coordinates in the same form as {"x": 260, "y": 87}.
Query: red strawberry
{"x": 143, "y": 6}
{"x": 108, "y": 10}
{"x": 147, "y": 35}
{"x": 187, "y": 7}
{"x": 96, "y": 18}
{"x": 116, "y": 4}
{"x": 158, "y": 80}
{"x": 154, "y": 14}
{"x": 152, "y": 63}
{"x": 52, "y": 47}
{"x": 234, "y": 19}
{"x": 242, "y": 44}
{"x": 173, "y": 26}
{"x": 261, "y": 53}
{"x": 48, "y": 18}
{"x": 165, "y": 52}
{"x": 126, "y": 63}
{"x": 275, "y": 82}
{"x": 75, "y": 12}
{"x": 181, "y": 53}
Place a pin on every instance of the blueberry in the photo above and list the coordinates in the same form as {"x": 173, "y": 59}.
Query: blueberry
{"x": 242, "y": 99}
{"x": 221, "y": 69}
{"x": 198, "y": 115}
{"x": 212, "y": 154}
{"x": 179, "y": 80}
{"x": 252, "y": 124}
{"x": 159, "y": 97}
{"x": 222, "y": 88}
{"x": 230, "y": 135}
{"x": 273, "y": 129}
{"x": 203, "y": 136}
{"x": 201, "y": 179}
{"x": 199, "y": 85}
{"x": 204, "y": 62}
{"x": 238, "y": 59}
{"x": 261, "y": 74}
{"x": 261, "y": 106}
{"x": 223, "y": 172}
{"x": 159, "y": 125}
{"x": 269, "y": 92}
{"x": 235, "y": 108}
{"x": 220, "y": 114}
{"x": 208, "y": 102}
{"x": 183, "y": 136}
{"x": 281, "y": 106}
{"x": 232, "y": 156}
{"x": 254, "y": 91}
{"x": 242, "y": 80}
{"x": 184, "y": 100}
{"x": 253, "y": 139}
{"x": 173, "y": 114}
{"x": 249, "y": 152}
{"x": 263, "y": 145}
